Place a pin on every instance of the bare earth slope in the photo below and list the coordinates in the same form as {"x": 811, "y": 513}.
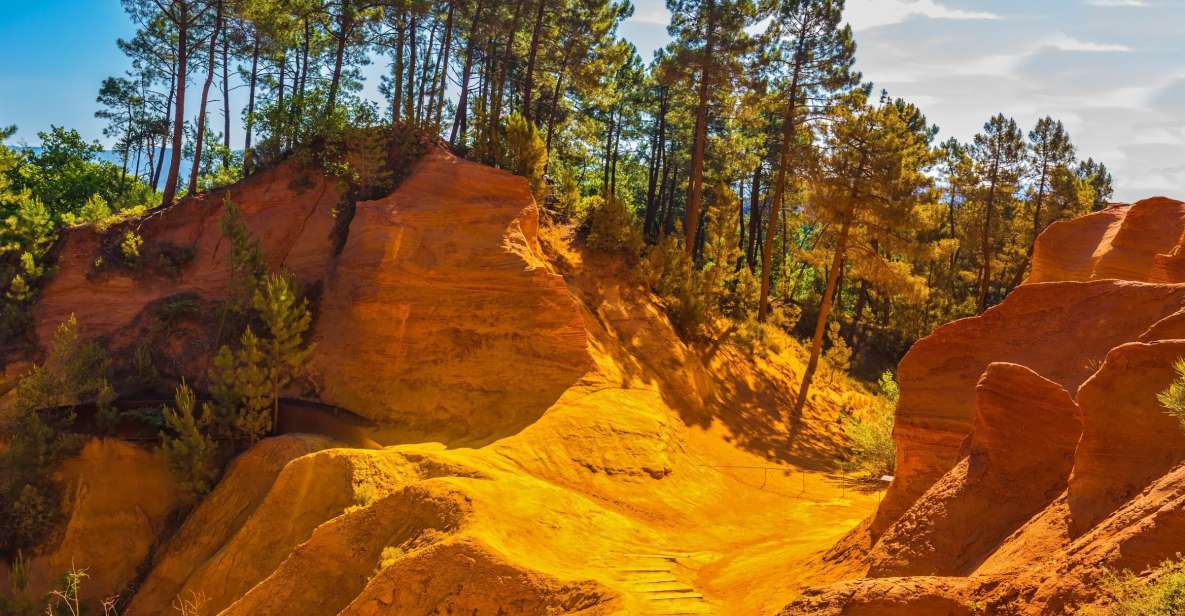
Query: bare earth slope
{"x": 545, "y": 442}
{"x": 1021, "y": 483}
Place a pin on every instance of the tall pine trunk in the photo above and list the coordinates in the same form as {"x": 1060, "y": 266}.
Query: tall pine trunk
{"x": 409, "y": 102}
{"x": 170, "y": 192}
{"x": 248, "y": 155}
{"x": 789, "y": 130}
{"x": 437, "y": 107}
{"x": 459, "y": 122}
{"x": 657, "y": 151}
{"x": 225, "y": 100}
{"x": 425, "y": 64}
{"x": 837, "y": 260}
{"x": 1037, "y": 228}
{"x": 397, "y": 71}
{"x": 985, "y": 281}
{"x": 200, "y": 137}
{"x": 754, "y": 217}
{"x": 532, "y": 56}
{"x": 695, "y": 190}
{"x": 345, "y": 29}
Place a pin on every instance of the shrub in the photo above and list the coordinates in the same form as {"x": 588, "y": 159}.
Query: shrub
{"x": 129, "y": 247}
{"x": 872, "y": 435}
{"x": 73, "y": 371}
{"x": 1173, "y": 397}
{"x": 527, "y": 152}
{"x": 172, "y": 258}
{"x": 613, "y": 228}
{"x": 1157, "y": 592}
{"x": 246, "y": 259}
{"x": 670, "y": 273}
{"x": 839, "y": 354}
{"x": 189, "y": 451}
{"x": 246, "y": 383}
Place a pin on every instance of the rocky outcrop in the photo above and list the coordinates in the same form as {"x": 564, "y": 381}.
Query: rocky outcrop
{"x": 1127, "y": 438}
{"x": 438, "y": 318}
{"x": 1020, "y": 495}
{"x": 1137, "y": 242}
{"x": 465, "y": 334}
{"x": 544, "y": 444}
{"x": 1020, "y": 454}
{"x": 118, "y": 500}
{"x": 1061, "y": 331}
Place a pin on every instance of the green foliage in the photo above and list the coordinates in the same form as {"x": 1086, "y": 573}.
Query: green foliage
{"x": 74, "y": 371}
{"x": 670, "y": 273}
{"x": 61, "y": 184}
{"x": 240, "y": 387}
{"x": 527, "y": 153}
{"x": 613, "y": 228}
{"x": 190, "y": 452}
{"x": 246, "y": 383}
{"x": 176, "y": 309}
{"x": 245, "y": 264}
{"x": 129, "y": 247}
{"x": 839, "y": 354}
{"x": 17, "y": 601}
{"x": 1159, "y": 591}
{"x": 872, "y": 434}
{"x": 1173, "y": 397}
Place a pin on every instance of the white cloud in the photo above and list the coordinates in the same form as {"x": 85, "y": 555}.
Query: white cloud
{"x": 651, "y": 12}
{"x": 1065, "y": 42}
{"x": 1117, "y": 3}
{"x": 866, "y": 14}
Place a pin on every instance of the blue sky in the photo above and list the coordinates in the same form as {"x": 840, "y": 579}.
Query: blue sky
{"x": 1113, "y": 70}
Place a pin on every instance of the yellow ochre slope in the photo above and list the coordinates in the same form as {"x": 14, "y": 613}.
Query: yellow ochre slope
{"x": 645, "y": 476}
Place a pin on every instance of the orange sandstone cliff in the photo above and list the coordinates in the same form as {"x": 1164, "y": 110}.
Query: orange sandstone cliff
{"x": 1033, "y": 456}
{"x": 530, "y": 435}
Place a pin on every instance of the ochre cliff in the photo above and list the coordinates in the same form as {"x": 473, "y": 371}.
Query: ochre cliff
{"x": 543, "y": 441}
{"x": 1033, "y": 455}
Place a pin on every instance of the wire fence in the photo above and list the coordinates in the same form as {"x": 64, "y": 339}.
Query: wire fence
{"x": 793, "y": 483}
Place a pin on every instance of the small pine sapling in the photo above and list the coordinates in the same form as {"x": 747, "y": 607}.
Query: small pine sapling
{"x": 190, "y": 452}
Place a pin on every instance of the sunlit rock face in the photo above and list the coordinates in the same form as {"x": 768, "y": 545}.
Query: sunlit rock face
{"x": 438, "y": 317}
{"x": 1020, "y": 483}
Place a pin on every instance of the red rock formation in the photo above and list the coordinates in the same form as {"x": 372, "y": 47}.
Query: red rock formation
{"x": 398, "y": 339}
{"x": 913, "y": 596}
{"x": 1127, "y": 438}
{"x": 1020, "y": 454}
{"x": 1071, "y": 249}
{"x": 1129, "y": 242}
{"x": 1123, "y": 503}
{"x": 289, "y": 209}
{"x": 396, "y": 334}
{"x": 1061, "y": 331}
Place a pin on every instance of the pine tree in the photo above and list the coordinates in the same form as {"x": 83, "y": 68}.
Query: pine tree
{"x": 1049, "y": 153}
{"x": 709, "y": 36}
{"x": 813, "y": 53}
{"x": 189, "y": 451}
{"x": 872, "y": 175}
{"x": 527, "y": 152}
{"x": 284, "y": 353}
{"x": 999, "y": 159}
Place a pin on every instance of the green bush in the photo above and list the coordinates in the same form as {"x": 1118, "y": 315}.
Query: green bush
{"x": 1173, "y": 397}
{"x": 1157, "y": 592}
{"x": 839, "y": 354}
{"x": 872, "y": 434}
{"x": 246, "y": 383}
{"x": 527, "y": 153}
{"x": 74, "y": 371}
{"x": 613, "y": 228}
{"x": 189, "y": 451}
{"x": 129, "y": 247}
